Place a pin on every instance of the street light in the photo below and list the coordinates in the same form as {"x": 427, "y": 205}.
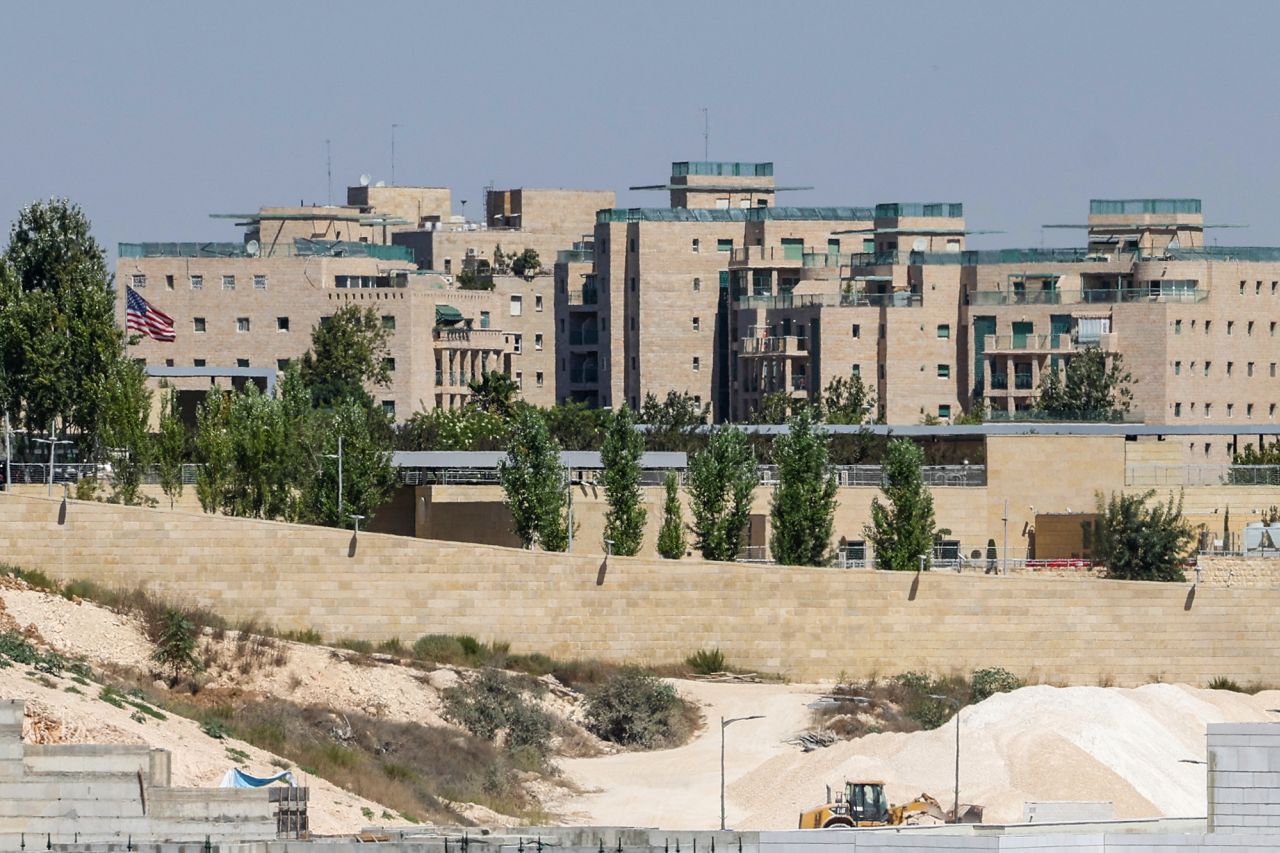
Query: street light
{"x": 955, "y": 815}
{"x": 53, "y": 445}
{"x": 570, "y": 482}
{"x": 338, "y": 456}
{"x": 357, "y": 519}
{"x": 724, "y": 724}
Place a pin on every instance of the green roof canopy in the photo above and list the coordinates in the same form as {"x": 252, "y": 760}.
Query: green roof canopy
{"x": 447, "y": 315}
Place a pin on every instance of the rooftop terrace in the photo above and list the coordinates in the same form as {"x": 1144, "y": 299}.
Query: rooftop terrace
{"x": 1129, "y": 206}
{"x": 721, "y": 168}
{"x": 897, "y": 210}
{"x": 299, "y": 247}
{"x": 753, "y": 214}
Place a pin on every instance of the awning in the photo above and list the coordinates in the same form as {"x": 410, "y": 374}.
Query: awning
{"x": 447, "y": 315}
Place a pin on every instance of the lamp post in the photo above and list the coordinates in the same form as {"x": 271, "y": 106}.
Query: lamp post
{"x": 724, "y": 724}
{"x": 53, "y": 445}
{"x": 338, "y": 456}
{"x": 570, "y": 482}
{"x": 955, "y": 814}
{"x": 356, "y": 519}
{"x": 8, "y": 454}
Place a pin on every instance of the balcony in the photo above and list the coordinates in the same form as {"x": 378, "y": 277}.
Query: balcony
{"x": 584, "y": 374}
{"x": 1188, "y": 295}
{"x": 1022, "y": 382}
{"x": 788, "y": 300}
{"x": 777, "y": 345}
{"x": 575, "y": 256}
{"x": 800, "y": 383}
{"x": 1058, "y": 342}
{"x": 874, "y": 259}
{"x": 463, "y": 338}
{"x": 896, "y": 299}
{"x": 1018, "y": 297}
{"x": 584, "y": 337}
{"x": 585, "y": 296}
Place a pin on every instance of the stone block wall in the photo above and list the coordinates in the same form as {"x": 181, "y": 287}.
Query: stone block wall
{"x": 1244, "y": 777}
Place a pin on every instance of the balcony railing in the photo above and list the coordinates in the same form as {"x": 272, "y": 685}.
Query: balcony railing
{"x": 587, "y": 374}
{"x": 872, "y": 476}
{"x": 799, "y": 383}
{"x": 484, "y": 338}
{"x": 778, "y": 344}
{"x": 1057, "y": 342}
{"x": 897, "y": 299}
{"x": 1144, "y": 294}
{"x": 1202, "y": 475}
{"x": 585, "y": 296}
{"x": 575, "y": 256}
{"x": 873, "y": 259}
{"x": 1018, "y": 297}
{"x": 788, "y": 300}
{"x": 584, "y": 337}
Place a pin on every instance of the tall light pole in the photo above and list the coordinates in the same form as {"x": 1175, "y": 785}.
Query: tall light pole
{"x": 357, "y": 519}
{"x": 1005, "y": 518}
{"x": 338, "y": 456}
{"x": 8, "y": 454}
{"x": 955, "y": 814}
{"x": 53, "y": 445}
{"x": 724, "y": 724}
{"x": 569, "y": 484}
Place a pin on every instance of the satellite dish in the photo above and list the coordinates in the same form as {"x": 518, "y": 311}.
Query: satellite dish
{"x": 364, "y": 180}
{"x": 919, "y": 244}
{"x": 380, "y": 184}
{"x": 251, "y": 248}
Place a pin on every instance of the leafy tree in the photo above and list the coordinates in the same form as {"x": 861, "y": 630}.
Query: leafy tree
{"x": 1142, "y": 542}
{"x": 501, "y": 260}
{"x": 674, "y": 423}
{"x": 348, "y": 351}
{"x": 125, "y": 428}
{"x": 1094, "y": 386}
{"x": 847, "y": 400}
{"x": 635, "y": 708}
{"x": 495, "y": 393}
{"x": 59, "y": 342}
{"x": 620, "y": 457}
{"x": 527, "y": 263}
{"x": 804, "y": 500}
{"x": 904, "y": 529}
{"x": 534, "y": 482}
{"x": 262, "y": 445}
{"x": 466, "y": 428}
{"x": 367, "y": 473}
{"x": 170, "y": 446}
{"x": 774, "y": 408}
{"x": 176, "y": 647}
{"x": 1267, "y": 455}
{"x": 577, "y": 426}
{"x": 474, "y": 280}
{"x": 671, "y": 536}
{"x": 720, "y": 483}
{"x": 213, "y": 451}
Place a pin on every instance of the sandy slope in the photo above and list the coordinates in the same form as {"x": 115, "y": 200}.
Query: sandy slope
{"x": 1037, "y": 743}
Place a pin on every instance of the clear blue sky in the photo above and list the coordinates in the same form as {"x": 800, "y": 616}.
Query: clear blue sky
{"x": 152, "y": 116}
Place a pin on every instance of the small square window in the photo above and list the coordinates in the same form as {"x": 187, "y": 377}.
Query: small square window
{"x": 856, "y": 370}
{"x": 259, "y": 282}
{"x": 537, "y": 343}
{"x": 242, "y": 324}
{"x": 389, "y": 322}
{"x": 389, "y": 408}
{"x": 282, "y": 324}
{"x": 724, "y": 245}
{"x": 282, "y": 364}
{"x": 168, "y": 362}
{"x": 1177, "y": 410}
{"x": 944, "y": 371}
{"x": 242, "y": 362}
{"x": 389, "y": 364}
{"x": 696, "y": 246}
{"x": 697, "y": 285}
{"x": 517, "y": 306}
{"x": 139, "y": 280}
{"x": 537, "y": 378}
{"x": 697, "y": 363}
{"x": 944, "y": 410}
{"x": 517, "y": 343}
{"x": 197, "y": 325}
{"x": 168, "y": 282}
{"x": 197, "y": 282}
{"x": 944, "y": 330}
{"x": 228, "y": 282}
{"x": 197, "y": 362}
{"x": 697, "y": 324}
{"x": 1177, "y": 368}
{"x": 537, "y": 302}
{"x": 857, "y": 330}
{"x": 1177, "y": 327}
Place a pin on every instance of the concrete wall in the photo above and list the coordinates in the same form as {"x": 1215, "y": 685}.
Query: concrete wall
{"x": 807, "y": 623}
{"x": 1244, "y": 777}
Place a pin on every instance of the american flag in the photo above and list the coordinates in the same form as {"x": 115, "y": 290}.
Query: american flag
{"x": 141, "y": 316}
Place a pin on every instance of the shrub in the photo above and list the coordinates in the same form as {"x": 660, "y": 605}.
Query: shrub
{"x": 175, "y": 650}
{"x": 990, "y": 681}
{"x": 438, "y": 648}
{"x": 706, "y": 661}
{"x": 634, "y": 708}
{"x": 1223, "y": 683}
{"x": 495, "y": 703}
{"x": 215, "y": 730}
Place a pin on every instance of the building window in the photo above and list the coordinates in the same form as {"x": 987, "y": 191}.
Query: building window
{"x": 197, "y": 282}
{"x": 484, "y": 321}
{"x": 1248, "y": 329}
{"x": 697, "y": 285}
{"x": 1249, "y": 368}
{"x": 944, "y": 330}
{"x": 634, "y": 363}
{"x": 389, "y": 322}
{"x": 537, "y": 379}
{"x": 228, "y": 282}
{"x": 168, "y": 362}
{"x": 537, "y": 343}
{"x": 537, "y": 302}
{"x": 944, "y": 410}
{"x": 520, "y": 379}
{"x": 1208, "y": 445}
{"x": 857, "y": 330}
{"x": 242, "y": 362}
{"x": 1177, "y": 327}
{"x": 633, "y": 284}
{"x": 944, "y": 371}
{"x": 389, "y": 408}
{"x": 282, "y": 324}
{"x": 1273, "y": 370}
{"x": 259, "y": 282}
{"x": 282, "y": 364}
{"x": 517, "y": 305}
{"x": 1230, "y": 407}
{"x": 1242, "y": 288}
{"x": 389, "y": 364}
{"x": 724, "y": 245}
{"x": 1207, "y": 365}
{"x": 697, "y": 363}
{"x": 633, "y": 323}
{"x": 1208, "y": 408}
{"x": 1230, "y": 365}
{"x": 1207, "y": 324}
{"x": 197, "y": 325}
{"x": 1177, "y": 368}
{"x": 168, "y": 282}
{"x": 1231, "y": 324}
{"x": 1271, "y": 410}
{"x": 856, "y": 370}
{"x": 697, "y": 324}
{"x": 1273, "y": 287}
{"x": 696, "y": 246}
{"x": 197, "y": 362}
{"x": 1177, "y": 410}
{"x": 517, "y": 344}
{"x": 1257, "y": 289}
{"x": 139, "y": 280}
{"x": 242, "y": 324}
{"x": 1248, "y": 410}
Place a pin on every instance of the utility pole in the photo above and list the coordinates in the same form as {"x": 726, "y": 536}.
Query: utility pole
{"x": 53, "y": 446}
{"x": 1005, "y": 518}
{"x": 724, "y": 724}
{"x": 8, "y": 455}
{"x": 328, "y": 167}
{"x": 955, "y": 813}
{"x": 706, "y": 134}
{"x": 338, "y": 456}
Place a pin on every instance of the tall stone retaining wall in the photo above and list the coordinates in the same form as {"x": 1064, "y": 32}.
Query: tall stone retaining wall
{"x": 803, "y": 622}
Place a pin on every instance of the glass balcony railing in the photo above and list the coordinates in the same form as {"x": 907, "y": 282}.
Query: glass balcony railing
{"x": 584, "y": 337}
{"x": 1135, "y": 206}
{"x": 873, "y": 259}
{"x": 586, "y": 374}
{"x": 1022, "y": 381}
{"x": 897, "y": 299}
{"x": 575, "y": 256}
{"x": 949, "y": 210}
{"x": 1144, "y": 294}
{"x": 723, "y": 169}
{"x": 1018, "y": 297}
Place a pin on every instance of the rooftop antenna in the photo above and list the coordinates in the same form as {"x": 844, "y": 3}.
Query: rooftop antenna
{"x": 393, "y": 154}
{"x": 706, "y": 134}
{"x": 328, "y": 167}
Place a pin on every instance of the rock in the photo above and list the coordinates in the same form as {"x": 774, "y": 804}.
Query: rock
{"x": 443, "y": 679}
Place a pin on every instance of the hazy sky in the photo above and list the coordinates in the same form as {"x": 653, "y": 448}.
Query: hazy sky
{"x": 152, "y": 116}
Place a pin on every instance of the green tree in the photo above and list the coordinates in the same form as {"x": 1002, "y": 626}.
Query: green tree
{"x": 262, "y": 446}
{"x": 804, "y": 500}
{"x": 367, "y": 473}
{"x": 903, "y": 529}
{"x": 720, "y": 483}
{"x": 124, "y": 428}
{"x": 495, "y": 393}
{"x": 465, "y": 428}
{"x": 775, "y": 407}
{"x": 213, "y": 451}
{"x": 847, "y": 400}
{"x": 620, "y": 458}
{"x": 1093, "y": 386}
{"x": 59, "y": 342}
{"x": 674, "y": 423}
{"x": 671, "y": 536}
{"x": 534, "y": 483}
{"x": 176, "y": 647}
{"x": 170, "y": 446}
{"x": 348, "y": 351}
{"x": 576, "y": 425}
{"x": 527, "y": 263}
{"x": 1143, "y": 542}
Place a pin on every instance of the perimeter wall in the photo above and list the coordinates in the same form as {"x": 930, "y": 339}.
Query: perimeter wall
{"x": 804, "y": 623}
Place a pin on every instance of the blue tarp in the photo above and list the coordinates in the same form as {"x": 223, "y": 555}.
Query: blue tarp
{"x": 237, "y": 778}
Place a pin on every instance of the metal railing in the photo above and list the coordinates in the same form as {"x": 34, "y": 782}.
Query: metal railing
{"x": 1053, "y": 342}
{"x": 1016, "y": 297}
{"x": 490, "y": 338}
{"x": 874, "y": 259}
{"x": 1143, "y": 294}
{"x": 775, "y": 344}
{"x": 872, "y": 476}
{"x": 897, "y": 299}
{"x": 1202, "y": 475}
{"x": 37, "y": 473}
{"x": 584, "y": 337}
{"x": 789, "y": 300}
{"x": 585, "y": 296}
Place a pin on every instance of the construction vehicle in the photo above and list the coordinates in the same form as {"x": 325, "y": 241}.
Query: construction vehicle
{"x": 863, "y": 803}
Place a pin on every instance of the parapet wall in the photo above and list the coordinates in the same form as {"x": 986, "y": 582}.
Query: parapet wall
{"x": 805, "y": 623}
